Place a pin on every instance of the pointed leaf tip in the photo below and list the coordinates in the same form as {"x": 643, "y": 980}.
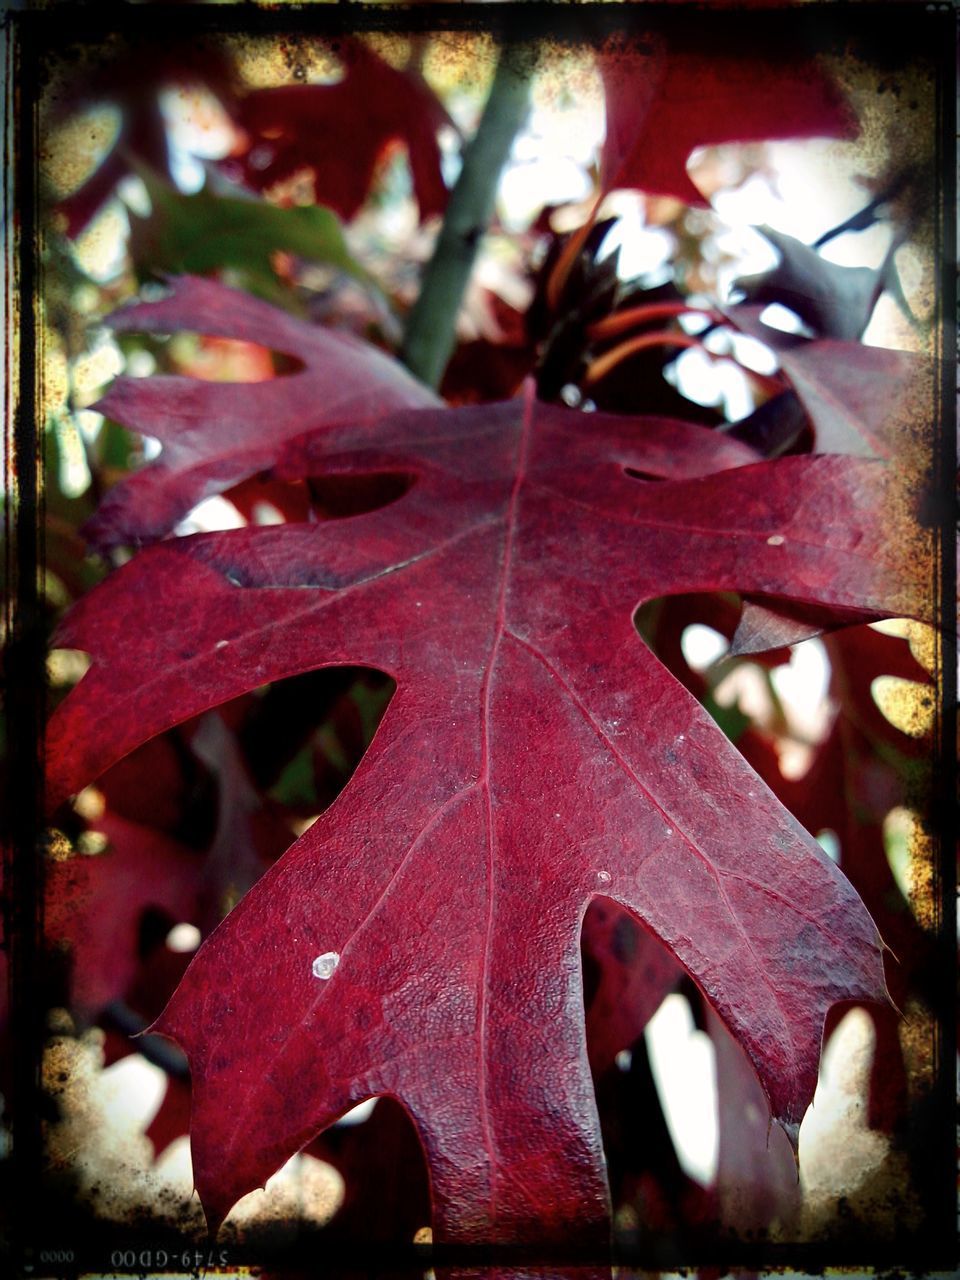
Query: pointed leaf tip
{"x": 792, "y": 1131}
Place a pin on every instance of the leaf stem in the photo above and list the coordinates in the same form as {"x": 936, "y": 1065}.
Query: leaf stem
{"x": 569, "y": 254}
{"x": 431, "y": 327}
{"x": 600, "y": 367}
{"x": 622, "y": 321}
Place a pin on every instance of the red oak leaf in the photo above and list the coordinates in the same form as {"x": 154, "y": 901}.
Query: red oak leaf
{"x": 674, "y": 93}
{"x": 216, "y": 434}
{"x": 301, "y": 127}
{"x": 422, "y": 939}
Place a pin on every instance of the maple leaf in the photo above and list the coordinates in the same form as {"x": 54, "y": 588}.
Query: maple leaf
{"x": 213, "y": 434}
{"x": 422, "y": 939}
{"x": 300, "y": 127}
{"x": 674, "y": 93}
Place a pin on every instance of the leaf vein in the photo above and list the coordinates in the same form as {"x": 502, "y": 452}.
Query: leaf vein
{"x": 690, "y": 843}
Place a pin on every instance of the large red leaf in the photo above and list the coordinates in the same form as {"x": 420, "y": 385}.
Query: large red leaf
{"x": 864, "y": 768}
{"x": 301, "y": 127}
{"x": 670, "y": 94}
{"x": 216, "y": 434}
{"x": 421, "y": 940}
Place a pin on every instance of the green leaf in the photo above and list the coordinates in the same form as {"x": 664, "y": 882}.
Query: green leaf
{"x": 115, "y": 446}
{"x": 205, "y": 232}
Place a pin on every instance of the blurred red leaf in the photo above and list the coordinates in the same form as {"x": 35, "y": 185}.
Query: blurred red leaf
{"x": 386, "y": 1186}
{"x": 301, "y": 127}
{"x": 172, "y": 1120}
{"x": 757, "y": 1180}
{"x": 634, "y": 971}
{"x": 671, "y": 94}
{"x": 132, "y": 79}
{"x": 868, "y": 401}
{"x": 95, "y": 905}
{"x": 152, "y": 786}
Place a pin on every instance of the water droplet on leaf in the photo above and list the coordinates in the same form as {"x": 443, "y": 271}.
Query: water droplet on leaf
{"x": 324, "y": 965}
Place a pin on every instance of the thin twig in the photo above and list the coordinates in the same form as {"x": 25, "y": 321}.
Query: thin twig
{"x": 867, "y": 216}
{"x": 154, "y": 1048}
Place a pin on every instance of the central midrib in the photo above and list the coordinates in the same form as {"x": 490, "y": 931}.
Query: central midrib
{"x": 484, "y": 781}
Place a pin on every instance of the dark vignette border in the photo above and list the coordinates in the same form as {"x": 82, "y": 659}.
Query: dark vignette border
{"x": 875, "y": 30}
